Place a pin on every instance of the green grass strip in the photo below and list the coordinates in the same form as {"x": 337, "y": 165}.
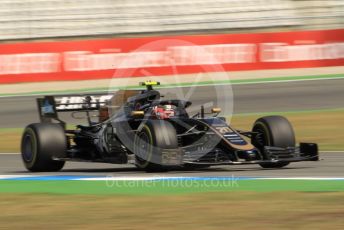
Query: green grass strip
{"x": 188, "y": 84}
{"x": 12, "y": 130}
{"x": 167, "y": 187}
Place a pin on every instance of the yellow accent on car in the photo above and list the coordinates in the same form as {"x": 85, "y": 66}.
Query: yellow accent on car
{"x": 216, "y": 110}
{"x": 137, "y": 113}
{"x": 149, "y": 83}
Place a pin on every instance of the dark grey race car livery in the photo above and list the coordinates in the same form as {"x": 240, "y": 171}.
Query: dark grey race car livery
{"x": 139, "y": 127}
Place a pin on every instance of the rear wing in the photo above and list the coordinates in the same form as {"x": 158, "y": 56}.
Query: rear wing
{"x": 50, "y": 106}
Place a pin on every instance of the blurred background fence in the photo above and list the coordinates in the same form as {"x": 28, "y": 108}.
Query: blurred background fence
{"x": 37, "y": 19}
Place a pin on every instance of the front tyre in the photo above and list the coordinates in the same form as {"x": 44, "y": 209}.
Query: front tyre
{"x": 273, "y": 131}
{"x": 154, "y": 137}
{"x": 40, "y": 143}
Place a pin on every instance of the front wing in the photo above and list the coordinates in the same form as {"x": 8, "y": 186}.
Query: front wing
{"x": 305, "y": 152}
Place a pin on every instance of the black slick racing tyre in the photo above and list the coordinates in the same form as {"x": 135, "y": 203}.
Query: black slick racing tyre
{"x": 273, "y": 131}
{"x": 40, "y": 143}
{"x": 154, "y": 137}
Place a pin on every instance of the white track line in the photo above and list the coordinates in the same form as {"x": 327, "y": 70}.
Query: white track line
{"x": 300, "y": 178}
{"x": 111, "y": 178}
{"x": 205, "y": 178}
{"x": 14, "y": 176}
{"x": 154, "y": 178}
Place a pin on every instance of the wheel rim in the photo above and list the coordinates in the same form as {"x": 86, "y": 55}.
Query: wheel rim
{"x": 260, "y": 139}
{"x": 28, "y": 148}
{"x": 143, "y": 148}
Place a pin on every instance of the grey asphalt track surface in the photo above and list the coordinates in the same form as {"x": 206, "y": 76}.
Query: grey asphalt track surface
{"x": 248, "y": 98}
{"x": 332, "y": 165}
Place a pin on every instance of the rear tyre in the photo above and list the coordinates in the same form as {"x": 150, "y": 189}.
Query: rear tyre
{"x": 273, "y": 131}
{"x": 149, "y": 142}
{"x": 40, "y": 143}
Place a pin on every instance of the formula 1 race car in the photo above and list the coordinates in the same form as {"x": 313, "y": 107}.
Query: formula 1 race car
{"x": 139, "y": 127}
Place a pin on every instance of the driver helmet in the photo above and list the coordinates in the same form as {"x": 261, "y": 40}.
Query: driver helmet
{"x": 164, "y": 111}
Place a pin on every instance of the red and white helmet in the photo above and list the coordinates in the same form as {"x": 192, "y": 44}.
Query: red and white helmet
{"x": 163, "y": 111}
